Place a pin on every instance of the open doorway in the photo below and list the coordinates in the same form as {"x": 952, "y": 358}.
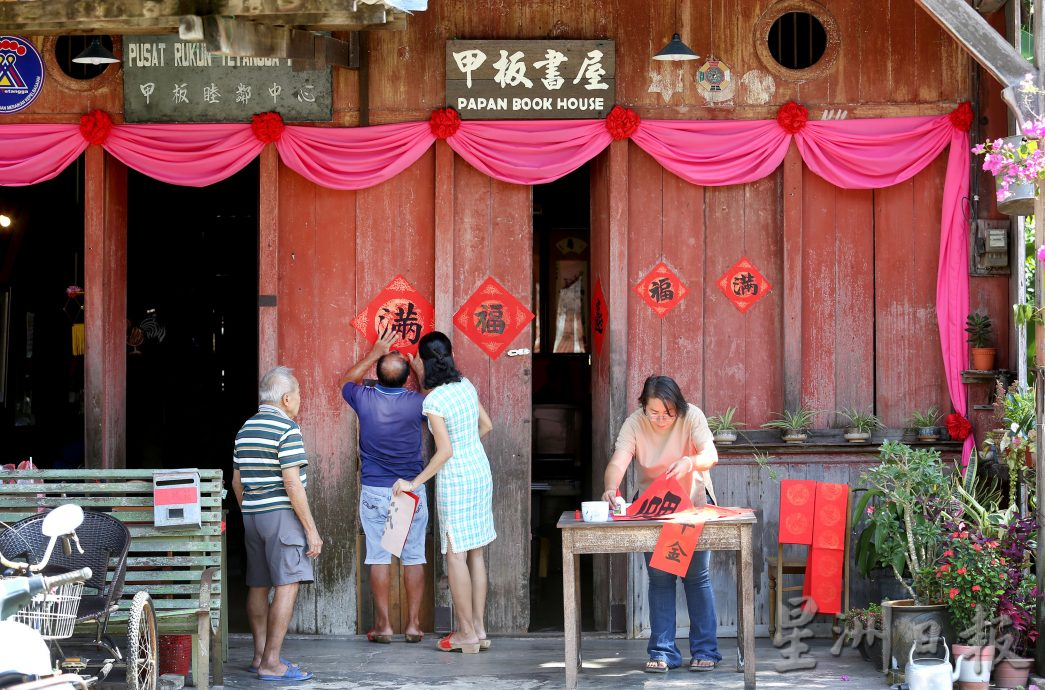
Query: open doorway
{"x": 561, "y": 457}
{"x": 192, "y": 338}
{"x": 41, "y": 322}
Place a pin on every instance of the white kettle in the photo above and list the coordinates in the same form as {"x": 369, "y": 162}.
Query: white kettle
{"x": 931, "y": 673}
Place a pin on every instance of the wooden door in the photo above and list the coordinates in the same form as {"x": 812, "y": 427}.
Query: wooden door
{"x": 484, "y": 228}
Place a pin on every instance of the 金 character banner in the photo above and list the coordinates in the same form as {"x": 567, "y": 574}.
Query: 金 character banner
{"x": 401, "y": 308}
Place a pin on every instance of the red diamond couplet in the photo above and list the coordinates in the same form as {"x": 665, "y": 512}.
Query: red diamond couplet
{"x": 744, "y": 285}
{"x": 492, "y": 317}
{"x": 661, "y": 289}
{"x": 600, "y": 317}
{"x": 399, "y": 307}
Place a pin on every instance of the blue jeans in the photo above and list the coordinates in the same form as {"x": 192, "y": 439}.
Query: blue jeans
{"x": 700, "y": 600}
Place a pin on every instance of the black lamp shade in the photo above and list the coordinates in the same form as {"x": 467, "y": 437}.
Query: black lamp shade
{"x": 95, "y": 54}
{"x": 676, "y": 50}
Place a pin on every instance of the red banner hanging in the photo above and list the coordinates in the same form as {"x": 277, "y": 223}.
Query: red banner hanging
{"x": 744, "y": 284}
{"x": 399, "y": 307}
{"x": 600, "y": 317}
{"x": 797, "y": 498}
{"x": 661, "y": 289}
{"x": 492, "y": 317}
{"x": 832, "y": 504}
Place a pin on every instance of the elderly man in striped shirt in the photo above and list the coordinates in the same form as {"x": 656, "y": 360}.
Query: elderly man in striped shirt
{"x": 269, "y": 481}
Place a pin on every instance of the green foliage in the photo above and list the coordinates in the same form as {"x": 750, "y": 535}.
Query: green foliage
{"x": 925, "y": 419}
{"x": 978, "y": 326}
{"x": 864, "y": 422}
{"x": 906, "y": 505}
{"x": 763, "y": 459}
{"x": 724, "y": 421}
{"x": 1019, "y": 409}
{"x": 792, "y": 420}
{"x": 971, "y": 576}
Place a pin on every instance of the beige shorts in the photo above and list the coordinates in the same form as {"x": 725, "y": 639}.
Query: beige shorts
{"x": 276, "y": 548}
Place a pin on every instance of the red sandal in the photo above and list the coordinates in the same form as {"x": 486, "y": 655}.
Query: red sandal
{"x": 448, "y": 645}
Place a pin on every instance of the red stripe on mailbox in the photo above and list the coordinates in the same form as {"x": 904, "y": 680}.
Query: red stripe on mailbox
{"x": 168, "y": 497}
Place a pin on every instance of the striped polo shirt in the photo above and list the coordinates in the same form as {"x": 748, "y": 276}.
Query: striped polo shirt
{"x": 268, "y": 443}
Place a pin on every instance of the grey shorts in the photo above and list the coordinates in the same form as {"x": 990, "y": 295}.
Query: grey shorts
{"x": 276, "y": 548}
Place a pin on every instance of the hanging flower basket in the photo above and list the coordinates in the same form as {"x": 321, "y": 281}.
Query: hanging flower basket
{"x": 1016, "y": 198}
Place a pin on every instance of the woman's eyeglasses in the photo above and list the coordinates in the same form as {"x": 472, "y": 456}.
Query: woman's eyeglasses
{"x": 659, "y": 416}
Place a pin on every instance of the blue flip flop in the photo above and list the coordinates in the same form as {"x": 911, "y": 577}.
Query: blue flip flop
{"x": 254, "y": 669}
{"x": 293, "y": 673}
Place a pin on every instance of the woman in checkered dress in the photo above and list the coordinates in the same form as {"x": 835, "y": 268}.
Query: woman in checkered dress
{"x": 464, "y": 490}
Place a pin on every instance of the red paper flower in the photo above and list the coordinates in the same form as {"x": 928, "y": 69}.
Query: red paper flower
{"x": 444, "y": 123}
{"x": 622, "y": 122}
{"x": 961, "y": 118}
{"x": 958, "y": 426}
{"x": 792, "y": 117}
{"x": 268, "y": 127}
{"x": 95, "y": 126}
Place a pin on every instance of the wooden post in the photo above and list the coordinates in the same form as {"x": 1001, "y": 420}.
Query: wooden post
{"x": 105, "y": 310}
{"x": 1039, "y": 344}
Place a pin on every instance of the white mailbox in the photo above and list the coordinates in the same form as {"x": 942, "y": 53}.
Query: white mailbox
{"x": 176, "y": 498}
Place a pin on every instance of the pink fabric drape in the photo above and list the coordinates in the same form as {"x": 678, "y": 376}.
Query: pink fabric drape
{"x": 187, "y": 155}
{"x": 529, "y": 152}
{"x": 715, "y": 152}
{"x": 35, "y": 153}
{"x": 353, "y": 157}
{"x": 853, "y": 154}
{"x": 867, "y": 154}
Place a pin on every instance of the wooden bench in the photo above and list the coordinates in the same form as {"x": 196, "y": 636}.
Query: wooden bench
{"x": 182, "y": 568}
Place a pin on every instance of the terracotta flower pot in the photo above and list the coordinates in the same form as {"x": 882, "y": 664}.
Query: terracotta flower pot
{"x": 976, "y": 665}
{"x": 1012, "y": 673}
{"x": 983, "y": 358}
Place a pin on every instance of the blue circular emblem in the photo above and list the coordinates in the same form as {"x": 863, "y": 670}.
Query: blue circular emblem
{"x": 21, "y": 74}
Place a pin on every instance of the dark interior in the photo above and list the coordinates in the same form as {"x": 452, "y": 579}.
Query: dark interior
{"x": 561, "y": 473}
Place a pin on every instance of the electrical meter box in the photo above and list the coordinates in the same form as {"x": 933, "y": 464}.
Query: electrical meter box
{"x": 176, "y": 498}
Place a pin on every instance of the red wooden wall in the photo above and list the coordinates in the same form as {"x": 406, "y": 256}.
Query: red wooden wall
{"x": 849, "y": 322}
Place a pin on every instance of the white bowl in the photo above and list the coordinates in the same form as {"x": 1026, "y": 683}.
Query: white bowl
{"x": 595, "y": 511}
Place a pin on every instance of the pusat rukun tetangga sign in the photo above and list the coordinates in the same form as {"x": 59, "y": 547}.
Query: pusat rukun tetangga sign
{"x": 530, "y": 80}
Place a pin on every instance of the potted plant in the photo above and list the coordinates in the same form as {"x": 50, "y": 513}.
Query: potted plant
{"x": 793, "y": 424}
{"x": 1017, "y": 605}
{"x": 861, "y": 424}
{"x": 971, "y": 574}
{"x": 924, "y": 424}
{"x": 978, "y": 326}
{"x": 863, "y": 627}
{"x": 723, "y": 426}
{"x": 908, "y": 501}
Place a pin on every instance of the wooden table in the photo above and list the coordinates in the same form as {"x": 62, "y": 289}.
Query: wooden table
{"x": 639, "y": 536}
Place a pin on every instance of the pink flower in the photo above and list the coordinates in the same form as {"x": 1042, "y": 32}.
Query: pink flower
{"x": 954, "y": 592}
{"x": 948, "y": 552}
{"x": 1041, "y": 254}
{"x": 975, "y": 588}
{"x": 961, "y": 571}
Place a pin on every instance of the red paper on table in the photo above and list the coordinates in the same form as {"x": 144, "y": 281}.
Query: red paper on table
{"x": 663, "y": 497}
{"x": 797, "y": 499}
{"x": 675, "y": 547}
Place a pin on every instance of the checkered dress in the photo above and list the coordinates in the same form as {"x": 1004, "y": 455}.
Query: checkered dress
{"x": 464, "y": 490}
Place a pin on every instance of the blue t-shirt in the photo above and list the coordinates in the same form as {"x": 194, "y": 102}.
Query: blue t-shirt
{"x": 389, "y": 432}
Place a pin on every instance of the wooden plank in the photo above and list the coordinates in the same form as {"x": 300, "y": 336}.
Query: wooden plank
{"x": 85, "y": 501}
{"x": 972, "y": 31}
{"x": 268, "y": 259}
{"x": 792, "y": 279}
{"x": 819, "y": 295}
{"x": 97, "y": 474}
{"x": 103, "y": 487}
{"x": 854, "y": 278}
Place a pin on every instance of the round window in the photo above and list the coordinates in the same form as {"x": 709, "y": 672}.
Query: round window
{"x": 797, "y": 40}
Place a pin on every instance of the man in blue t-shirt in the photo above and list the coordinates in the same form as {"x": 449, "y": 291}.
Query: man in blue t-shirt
{"x": 389, "y": 447}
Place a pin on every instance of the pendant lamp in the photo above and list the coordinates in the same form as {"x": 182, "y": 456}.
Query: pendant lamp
{"x": 676, "y": 50}
{"x": 95, "y": 54}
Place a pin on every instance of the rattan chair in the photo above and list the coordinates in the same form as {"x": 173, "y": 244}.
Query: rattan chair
{"x": 105, "y": 542}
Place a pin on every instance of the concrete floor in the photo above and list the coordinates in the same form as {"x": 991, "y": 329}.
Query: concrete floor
{"x": 532, "y": 663}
